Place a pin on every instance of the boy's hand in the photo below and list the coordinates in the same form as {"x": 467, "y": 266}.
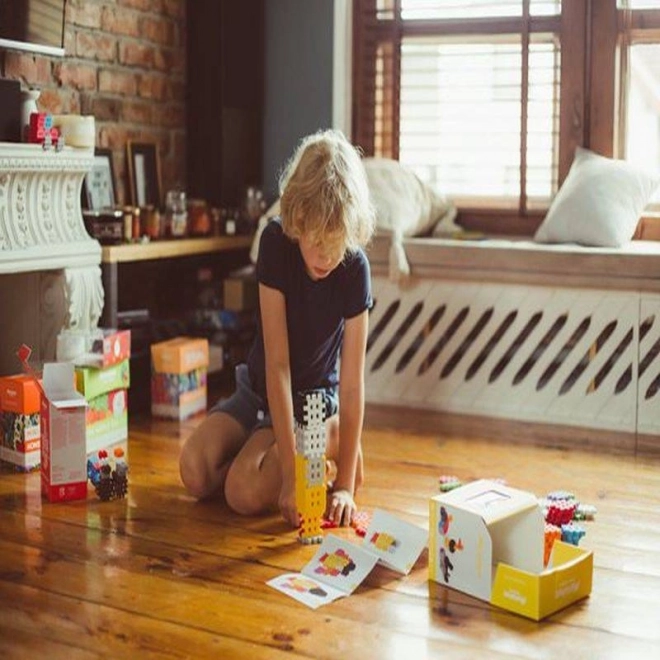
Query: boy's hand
{"x": 287, "y": 504}
{"x": 341, "y": 508}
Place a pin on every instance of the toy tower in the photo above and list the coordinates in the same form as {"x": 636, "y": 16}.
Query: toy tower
{"x": 310, "y": 465}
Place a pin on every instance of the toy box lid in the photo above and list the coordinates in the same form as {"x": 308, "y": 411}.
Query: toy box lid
{"x": 93, "y": 382}
{"x": 19, "y": 394}
{"x": 58, "y": 384}
{"x": 180, "y": 355}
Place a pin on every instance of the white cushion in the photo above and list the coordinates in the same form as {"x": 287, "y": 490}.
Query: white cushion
{"x": 599, "y": 204}
{"x": 405, "y": 206}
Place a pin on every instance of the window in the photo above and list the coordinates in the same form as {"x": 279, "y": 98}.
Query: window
{"x": 487, "y": 99}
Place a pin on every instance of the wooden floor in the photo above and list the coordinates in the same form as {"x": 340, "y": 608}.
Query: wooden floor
{"x": 160, "y": 575}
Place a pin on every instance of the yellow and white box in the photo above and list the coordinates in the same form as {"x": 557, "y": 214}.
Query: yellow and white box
{"x": 486, "y": 539}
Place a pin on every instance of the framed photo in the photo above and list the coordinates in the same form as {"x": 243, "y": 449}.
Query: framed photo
{"x": 99, "y": 184}
{"x": 144, "y": 173}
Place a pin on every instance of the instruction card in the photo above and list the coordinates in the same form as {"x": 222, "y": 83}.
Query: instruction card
{"x": 339, "y": 566}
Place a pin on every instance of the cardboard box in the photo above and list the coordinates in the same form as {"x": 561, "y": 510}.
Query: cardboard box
{"x": 93, "y": 382}
{"x": 240, "y": 292}
{"x": 19, "y": 394}
{"x": 105, "y": 347}
{"x": 20, "y": 440}
{"x": 20, "y": 422}
{"x": 487, "y": 540}
{"x": 106, "y": 420}
{"x": 63, "y": 445}
{"x": 179, "y": 355}
{"x": 178, "y": 378}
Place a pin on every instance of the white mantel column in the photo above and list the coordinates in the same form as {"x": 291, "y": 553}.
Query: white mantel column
{"x": 50, "y": 274}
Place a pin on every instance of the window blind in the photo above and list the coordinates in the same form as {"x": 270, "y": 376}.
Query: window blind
{"x": 466, "y": 93}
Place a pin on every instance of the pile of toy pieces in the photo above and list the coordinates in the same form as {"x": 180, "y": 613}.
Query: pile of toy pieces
{"x": 561, "y": 510}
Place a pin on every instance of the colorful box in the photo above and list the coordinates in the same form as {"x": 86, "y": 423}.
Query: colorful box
{"x": 20, "y": 440}
{"x": 19, "y": 394}
{"x": 92, "y": 382}
{"x": 106, "y": 420}
{"x": 487, "y": 540}
{"x": 178, "y": 379}
{"x": 63, "y": 444}
{"x": 99, "y": 348}
{"x": 20, "y": 424}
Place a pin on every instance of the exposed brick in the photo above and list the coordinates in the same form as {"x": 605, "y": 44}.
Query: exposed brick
{"x": 132, "y": 53}
{"x": 75, "y": 75}
{"x": 117, "y": 82}
{"x": 138, "y": 112}
{"x": 84, "y": 13}
{"x": 33, "y": 70}
{"x": 159, "y": 30}
{"x": 120, "y": 21}
{"x": 169, "y": 59}
{"x": 170, "y": 115}
{"x": 154, "y": 86}
{"x": 154, "y": 6}
{"x": 96, "y": 46}
{"x": 174, "y": 8}
{"x": 103, "y": 108}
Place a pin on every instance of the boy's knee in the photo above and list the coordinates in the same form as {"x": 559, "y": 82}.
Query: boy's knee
{"x": 193, "y": 475}
{"x": 240, "y": 497}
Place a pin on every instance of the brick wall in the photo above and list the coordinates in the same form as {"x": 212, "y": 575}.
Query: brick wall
{"x": 124, "y": 64}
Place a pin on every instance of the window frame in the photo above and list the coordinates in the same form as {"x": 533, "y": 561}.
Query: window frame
{"x": 594, "y": 35}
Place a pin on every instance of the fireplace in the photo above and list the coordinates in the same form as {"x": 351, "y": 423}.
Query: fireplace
{"x": 50, "y": 274}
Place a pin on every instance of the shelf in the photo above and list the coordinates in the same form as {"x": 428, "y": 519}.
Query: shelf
{"x": 164, "y": 249}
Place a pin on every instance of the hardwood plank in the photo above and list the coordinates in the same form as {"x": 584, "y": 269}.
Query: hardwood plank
{"x": 161, "y": 574}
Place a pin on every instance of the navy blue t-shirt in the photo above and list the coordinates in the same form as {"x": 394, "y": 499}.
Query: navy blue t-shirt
{"x": 315, "y": 310}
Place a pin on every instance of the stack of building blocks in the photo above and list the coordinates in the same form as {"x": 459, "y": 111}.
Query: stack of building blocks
{"x": 106, "y": 391}
{"x": 178, "y": 377}
{"x": 42, "y": 129}
{"x": 20, "y": 422}
{"x": 310, "y": 465}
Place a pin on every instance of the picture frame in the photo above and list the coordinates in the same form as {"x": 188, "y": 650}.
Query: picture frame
{"x": 144, "y": 173}
{"x": 98, "y": 191}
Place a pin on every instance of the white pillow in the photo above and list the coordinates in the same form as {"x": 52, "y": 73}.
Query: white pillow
{"x": 599, "y": 204}
{"x": 405, "y": 206}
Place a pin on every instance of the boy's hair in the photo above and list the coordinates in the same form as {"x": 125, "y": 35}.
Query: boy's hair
{"x": 325, "y": 194}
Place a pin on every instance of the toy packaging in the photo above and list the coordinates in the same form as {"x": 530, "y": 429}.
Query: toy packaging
{"x": 63, "y": 451}
{"x": 487, "y": 540}
{"x": 339, "y": 566}
{"x": 178, "y": 377}
{"x": 20, "y": 422}
{"x": 106, "y": 423}
{"x": 92, "y": 382}
{"x": 99, "y": 348}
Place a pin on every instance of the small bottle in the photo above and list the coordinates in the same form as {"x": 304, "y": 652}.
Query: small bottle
{"x": 137, "y": 229}
{"x": 128, "y": 224}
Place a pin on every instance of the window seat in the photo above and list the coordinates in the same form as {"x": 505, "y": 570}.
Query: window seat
{"x": 557, "y": 344}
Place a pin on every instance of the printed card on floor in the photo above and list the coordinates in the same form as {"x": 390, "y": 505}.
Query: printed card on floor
{"x": 395, "y": 542}
{"x": 336, "y": 570}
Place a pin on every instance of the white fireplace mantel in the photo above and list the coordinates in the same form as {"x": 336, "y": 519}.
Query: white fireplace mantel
{"x": 50, "y": 274}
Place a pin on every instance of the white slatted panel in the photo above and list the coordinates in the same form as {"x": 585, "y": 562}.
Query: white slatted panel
{"x": 507, "y": 340}
{"x": 649, "y": 361}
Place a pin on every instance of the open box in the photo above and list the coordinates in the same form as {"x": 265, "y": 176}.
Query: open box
{"x": 486, "y": 540}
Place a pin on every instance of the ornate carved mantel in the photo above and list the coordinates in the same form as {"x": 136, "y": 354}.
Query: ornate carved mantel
{"x": 50, "y": 275}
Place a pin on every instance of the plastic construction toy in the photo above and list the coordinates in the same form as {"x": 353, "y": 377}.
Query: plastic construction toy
{"x": 572, "y": 533}
{"x": 310, "y": 464}
{"x": 448, "y": 482}
{"x": 552, "y": 533}
{"x": 42, "y": 131}
{"x": 109, "y": 483}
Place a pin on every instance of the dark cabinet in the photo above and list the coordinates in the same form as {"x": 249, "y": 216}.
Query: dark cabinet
{"x": 225, "y": 99}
